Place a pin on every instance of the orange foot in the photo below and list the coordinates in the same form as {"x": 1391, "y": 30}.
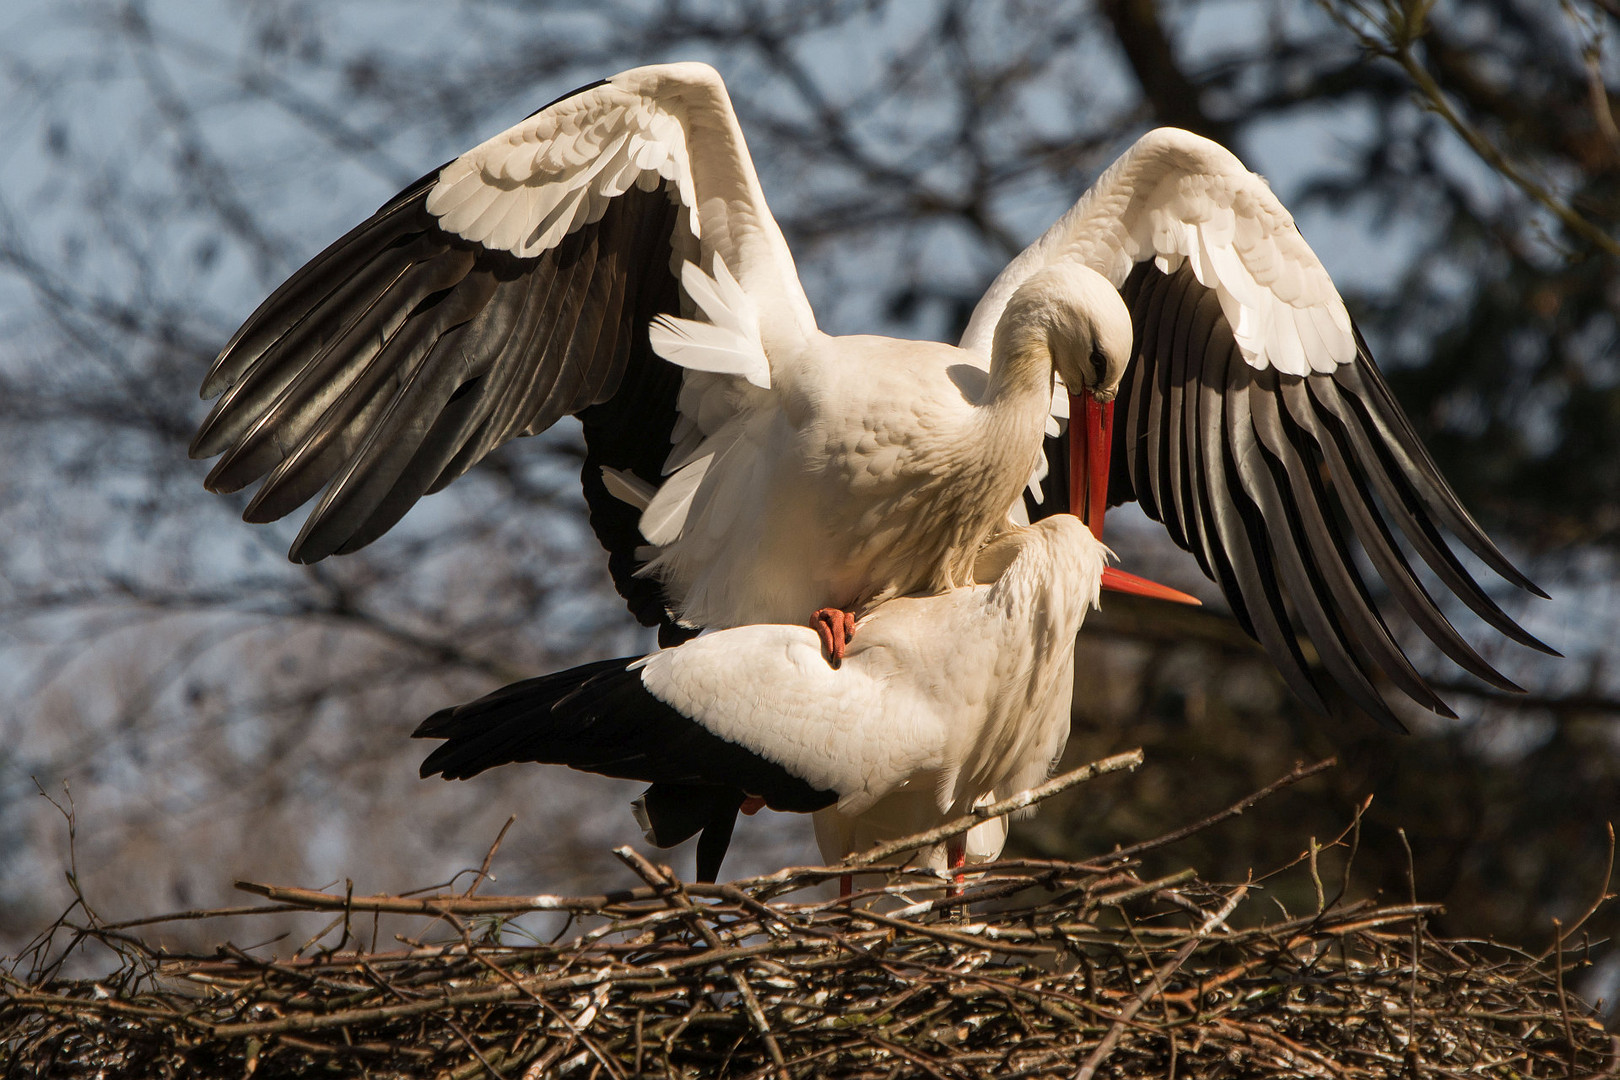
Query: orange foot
{"x": 836, "y": 627}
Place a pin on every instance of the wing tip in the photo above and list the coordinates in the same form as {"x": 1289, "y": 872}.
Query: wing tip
{"x": 304, "y": 554}
{"x": 1514, "y": 632}
{"x": 262, "y": 508}
{"x": 430, "y": 728}
{"x": 216, "y": 382}
{"x": 221, "y": 481}
{"x": 1542, "y": 647}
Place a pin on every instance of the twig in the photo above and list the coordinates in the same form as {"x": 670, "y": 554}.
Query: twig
{"x": 489, "y": 857}
{"x": 659, "y": 878}
{"x": 1412, "y": 1060}
{"x": 1563, "y": 999}
{"x": 1603, "y": 897}
{"x": 1402, "y": 27}
{"x": 1300, "y": 772}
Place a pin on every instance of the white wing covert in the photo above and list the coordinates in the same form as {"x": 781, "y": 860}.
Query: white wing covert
{"x": 854, "y": 730}
{"x": 1176, "y": 197}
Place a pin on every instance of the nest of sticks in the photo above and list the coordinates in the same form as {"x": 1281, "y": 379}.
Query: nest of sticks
{"x": 1031, "y": 969}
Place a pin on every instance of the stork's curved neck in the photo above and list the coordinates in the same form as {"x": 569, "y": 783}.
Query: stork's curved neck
{"x": 1020, "y": 368}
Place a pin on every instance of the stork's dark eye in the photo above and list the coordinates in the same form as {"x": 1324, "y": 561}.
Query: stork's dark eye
{"x": 1099, "y": 364}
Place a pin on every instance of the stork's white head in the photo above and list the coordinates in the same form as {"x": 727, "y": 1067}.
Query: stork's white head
{"x": 1075, "y": 315}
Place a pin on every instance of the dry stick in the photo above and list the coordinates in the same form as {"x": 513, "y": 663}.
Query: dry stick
{"x": 1603, "y": 896}
{"x": 489, "y": 857}
{"x": 1563, "y": 1000}
{"x": 491, "y": 996}
{"x": 926, "y": 1064}
{"x": 1291, "y": 1049}
{"x": 1300, "y": 772}
{"x": 477, "y": 1053}
{"x": 448, "y": 905}
{"x": 1350, "y": 856}
{"x": 548, "y": 1056}
{"x": 1127, "y": 761}
{"x": 1417, "y": 952}
{"x": 1160, "y": 977}
{"x": 204, "y": 913}
{"x": 577, "y": 1028}
{"x": 765, "y": 911}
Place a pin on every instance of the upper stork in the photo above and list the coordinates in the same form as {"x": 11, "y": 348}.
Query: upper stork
{"x": 612, "y": 257}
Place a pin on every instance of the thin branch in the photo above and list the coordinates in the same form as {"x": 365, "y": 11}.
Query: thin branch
{"x": 1127, "y": 762}
{"x": 1400, "y": 26}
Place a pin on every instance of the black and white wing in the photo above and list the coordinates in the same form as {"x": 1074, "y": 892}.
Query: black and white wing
{"x": 512, "y": 287}
{"x": 605, "y": 718}
{"x": 1254, "y": 425}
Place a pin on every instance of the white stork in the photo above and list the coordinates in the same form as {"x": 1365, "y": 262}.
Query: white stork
{"x": 941, "y": 702}
{"x": 612, "y": 257}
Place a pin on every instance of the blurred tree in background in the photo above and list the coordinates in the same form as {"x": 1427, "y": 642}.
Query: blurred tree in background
{"x": 221, "y": 712}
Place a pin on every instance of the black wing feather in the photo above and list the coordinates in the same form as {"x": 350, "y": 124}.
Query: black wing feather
{"x": 632, "y": 431}
{"x": 1263, "y": 590}
{"x": 323, "y": 450}
{"x": 396, "y": 222}
{"x": 1174, "y": 381}
{"x": 1379, "y": 543}
{"x": 1368, "y": 388}
{"x": 1264, "y": 478}
{"x": 401, "y": 355}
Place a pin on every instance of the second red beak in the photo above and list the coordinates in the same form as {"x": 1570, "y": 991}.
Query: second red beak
{"x": 1091, "y": 444}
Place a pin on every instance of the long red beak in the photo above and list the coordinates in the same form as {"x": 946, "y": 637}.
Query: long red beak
{"x": 1091, "y": 444}
{"x": 1125, "y": 582}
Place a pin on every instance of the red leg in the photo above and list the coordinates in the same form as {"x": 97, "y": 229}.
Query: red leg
{"x": 846, "y": 885}
{"x": 836, "y": 627}
{"x": 753, "y": 804}
{"x": 956, "y": 855}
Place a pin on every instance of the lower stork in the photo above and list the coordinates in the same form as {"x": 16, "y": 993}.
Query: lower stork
{"x": 941, "y": 702}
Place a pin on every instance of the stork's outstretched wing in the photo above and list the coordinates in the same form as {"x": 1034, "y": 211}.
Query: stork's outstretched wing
{"x": 511, "y": 287}
{"x": 1253, "y": 423}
